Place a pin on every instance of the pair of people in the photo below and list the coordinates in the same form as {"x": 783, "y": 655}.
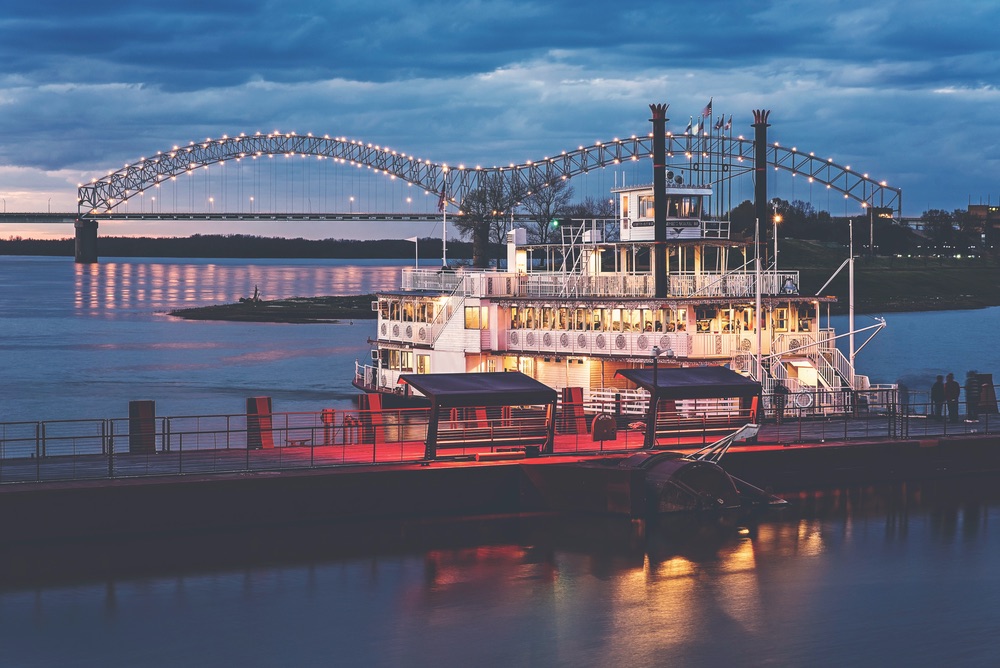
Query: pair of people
{"x": 945, "y": 392}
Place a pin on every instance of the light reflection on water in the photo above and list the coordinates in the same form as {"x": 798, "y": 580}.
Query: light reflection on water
{"x": 890, "y": 575}
{"x": 116, "y": 284}
{"x": 81, "y": 341}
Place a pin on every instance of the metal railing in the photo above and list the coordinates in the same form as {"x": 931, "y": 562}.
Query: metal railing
{"x": 203, "y": 444}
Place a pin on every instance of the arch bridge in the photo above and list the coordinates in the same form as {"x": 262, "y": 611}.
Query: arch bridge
{"x": 709, "y": 157}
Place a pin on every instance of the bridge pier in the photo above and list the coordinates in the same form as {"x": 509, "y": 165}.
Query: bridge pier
{"x": 86, "y": 241}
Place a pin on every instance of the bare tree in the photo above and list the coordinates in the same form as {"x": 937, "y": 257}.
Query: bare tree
{"x": 591, "y": 208}
{"x": 485, "y": 212}
{"x": 545, "y": 202}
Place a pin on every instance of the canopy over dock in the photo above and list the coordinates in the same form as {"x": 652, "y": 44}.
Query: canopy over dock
{"x": 705, "y": 382}
{"x": 463, "y": 390}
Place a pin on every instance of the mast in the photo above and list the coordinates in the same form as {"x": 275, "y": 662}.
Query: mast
{"x": 757, "y": 314}
{"x": 850, "y": 299}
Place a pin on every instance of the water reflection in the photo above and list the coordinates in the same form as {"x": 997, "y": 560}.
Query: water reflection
{"x": 813, "y": 585}
{"x": 115, "y": 285}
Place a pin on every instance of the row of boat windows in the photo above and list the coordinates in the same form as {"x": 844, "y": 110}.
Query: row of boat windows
{"x": 700, "y": 319}
{"x": 598, "y": 319}
{"x": 706, "y": 320}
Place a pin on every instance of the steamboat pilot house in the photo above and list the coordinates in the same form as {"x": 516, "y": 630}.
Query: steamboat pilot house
{"x": 572, "y": 313}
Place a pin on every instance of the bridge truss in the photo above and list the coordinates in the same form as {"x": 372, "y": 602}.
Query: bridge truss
{"x": 708, "y": 159}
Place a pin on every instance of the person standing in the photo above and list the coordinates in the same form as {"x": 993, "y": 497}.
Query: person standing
{"x": 937, "y": 397}
{"x": 951, "y": 391}
{"x": 973, "y": 391}
{"x": 780, "y": 397}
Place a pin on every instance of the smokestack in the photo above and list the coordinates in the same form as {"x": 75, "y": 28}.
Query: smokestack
{"x": 659, "y": 121}
{"x": 760, "y": 126}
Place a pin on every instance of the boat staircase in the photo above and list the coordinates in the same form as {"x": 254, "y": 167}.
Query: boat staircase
{"x": 453, "y": 304}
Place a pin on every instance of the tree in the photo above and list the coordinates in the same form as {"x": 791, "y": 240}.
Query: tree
{"x": 545, "y": 202}
{"x": 593, "y": 208}
{"x": 938, "y": 225}
{"x": 485, "y": 212}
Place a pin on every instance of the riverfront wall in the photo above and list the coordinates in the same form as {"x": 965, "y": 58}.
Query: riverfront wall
{"x": 107, "y": 509}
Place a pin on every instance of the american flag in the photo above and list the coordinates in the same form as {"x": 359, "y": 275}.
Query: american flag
{"x": 729, "y": 123}
{"x": 442, "y": 202}
{"x": 707, "y": 111}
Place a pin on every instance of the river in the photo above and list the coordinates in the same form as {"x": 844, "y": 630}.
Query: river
{"x": 866, "y": 576}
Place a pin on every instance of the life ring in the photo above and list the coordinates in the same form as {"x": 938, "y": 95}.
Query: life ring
{"x": 803, "y": 400}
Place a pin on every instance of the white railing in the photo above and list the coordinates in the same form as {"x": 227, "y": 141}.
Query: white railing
{"x": 565, "y": 284}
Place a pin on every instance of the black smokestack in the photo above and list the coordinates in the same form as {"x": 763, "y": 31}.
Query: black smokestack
{"x": 760, "y": 126}
{"x": 659, "y": 121}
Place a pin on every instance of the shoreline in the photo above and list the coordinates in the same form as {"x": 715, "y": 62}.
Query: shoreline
{"x": 335, "y": 309}
{"x": 296, "y": 310}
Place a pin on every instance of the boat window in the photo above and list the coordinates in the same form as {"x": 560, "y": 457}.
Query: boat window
{"x": 781, "y": 319}
{"x": 383, "y": 307}
{"x": 394, "y": 309}
{"x": 616, "y": 320}
{"x": 529, "y": 317}
{"x": 405, "y": 360}
{"x": 645, "y": 206}
{"x": 484, "y": 317}
{"x": 580, "y": 318}
{"x": 408, "y": 311}
{"x": 598, "y": 320}
{"x": 423, "y": 363}
{"x": 546, "y": 318}
{"x": 472, "y": 317}
{"x": 515, "y": 317}
{"x": 563, "y": 319}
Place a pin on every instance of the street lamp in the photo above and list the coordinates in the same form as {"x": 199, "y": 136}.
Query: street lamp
{"x": 777, "y": 219}
{"x": 50, "y": 205}
{"x": 351, "y": 198}
{"x": 251, "y": 204}
{"x": 211, "y": 204}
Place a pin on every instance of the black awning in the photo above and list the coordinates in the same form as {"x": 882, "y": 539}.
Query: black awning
{"x": 703, "y": 382}
{"x": 507, "y": 388}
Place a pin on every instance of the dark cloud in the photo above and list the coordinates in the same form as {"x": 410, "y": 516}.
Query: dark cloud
{"x": 893, "y": 86}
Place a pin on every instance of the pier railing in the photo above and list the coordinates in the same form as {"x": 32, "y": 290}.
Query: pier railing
{"x": 205, "y": 444}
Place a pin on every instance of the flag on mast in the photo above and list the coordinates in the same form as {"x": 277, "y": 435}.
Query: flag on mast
{"x": 707, "y": 111}
{"x": 687, "y": 130}
{"x": 719, "y": 123}
{"x": 442, "y": 202}
{"x": 413, "y": 239}
{"x": 729, "y": 123}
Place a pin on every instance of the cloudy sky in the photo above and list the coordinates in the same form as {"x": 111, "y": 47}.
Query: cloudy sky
{"x": 905, "y": 90}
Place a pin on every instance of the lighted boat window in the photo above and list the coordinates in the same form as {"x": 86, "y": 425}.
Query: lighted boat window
{"x": 472, "y": 317}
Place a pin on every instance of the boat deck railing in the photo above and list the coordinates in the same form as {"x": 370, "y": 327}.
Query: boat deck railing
{"x": 501, "y": 284}
{"x": 98, "y": 449}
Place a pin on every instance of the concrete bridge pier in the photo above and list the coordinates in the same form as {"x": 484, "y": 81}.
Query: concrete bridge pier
{"x": 86, "y": 241}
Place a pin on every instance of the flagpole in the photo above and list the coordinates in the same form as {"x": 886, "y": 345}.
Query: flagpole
{"x": 444, "y": 235}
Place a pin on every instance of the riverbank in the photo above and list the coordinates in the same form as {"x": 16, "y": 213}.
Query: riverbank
{"x": 294, "y": 310}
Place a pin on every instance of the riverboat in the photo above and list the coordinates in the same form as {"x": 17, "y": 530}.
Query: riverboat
{"x": 573, "y": 313}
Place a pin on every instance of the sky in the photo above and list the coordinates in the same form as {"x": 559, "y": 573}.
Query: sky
{"x": 905, "y": 90}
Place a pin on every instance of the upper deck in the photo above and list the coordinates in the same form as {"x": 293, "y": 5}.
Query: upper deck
{"x": 681, "y": 284}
